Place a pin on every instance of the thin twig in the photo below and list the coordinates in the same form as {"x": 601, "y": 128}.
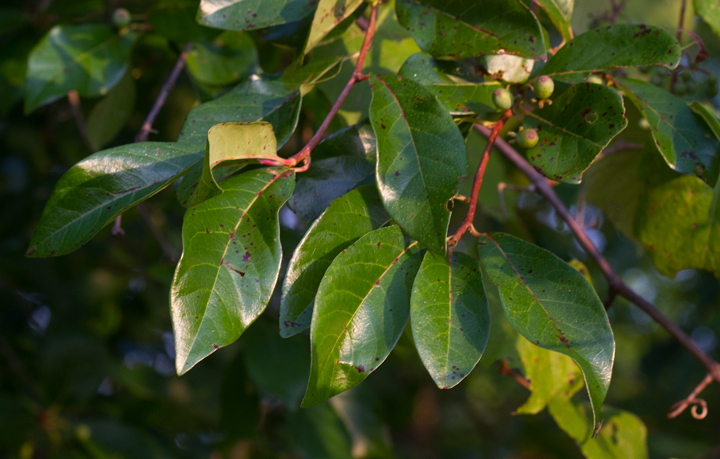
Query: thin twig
{"x": 304, "y": 154}
{"x": 614, "y": 281}
{"x": 692, "y": 399}
{"x": 470, "y": 216}
{"x": 76, "y": 109}
{"x": 681, "y": 24}
{"x": 506, "y": 370}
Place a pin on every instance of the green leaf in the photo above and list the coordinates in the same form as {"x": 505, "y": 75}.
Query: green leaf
{"x": 361, "y": 308}
{"x": 421, "y": 157}
{"x": 340, "y": 162}
{"x": 468, "y": 28}
{"x": 275, "y": 99}
{"x": 192, "y": 178}
{"x": 450, "y": 316}
{"x": 230, "y": 263}
{"x": 223, "y": 60}
{"x": 329, "y": 14}
{"x": 229, "y": 145}
{"x": 458, "y": 95}
{"x": 551, "y": 375}
{"x": 683, "y": 138}
{"x": 509, "y": 68}
{"x": 88, "y": 58}
{"x": 613, "y": 47}
{"x": 578, "y": 125}
{"x": 560, "y": 13}
{"x": 622, "y": 436}
{"x": 319, "y": 433}
{"x": 266, "y": 353}
{"x": 252, "y": 14}
{"x": 108, "y": 116}
{"x": 346, "y": 220}
{"x": 553, "y": 306}
{"x": 175, "y": 20}
{"x": 101, "y": 187}
{"x": 710, "y": 13}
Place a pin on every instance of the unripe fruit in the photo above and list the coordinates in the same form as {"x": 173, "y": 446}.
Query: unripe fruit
{"x": 527, "y": 138}
{"x": 686, "y": 76}
{"x": 544, "y": 87}
{"x": 121, "y": 18}
{"x": 597, "y": 79}
{"x": 502, "y": 99}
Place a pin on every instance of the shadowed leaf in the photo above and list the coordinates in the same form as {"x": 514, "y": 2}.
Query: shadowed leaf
{"x": 252, "y": 14}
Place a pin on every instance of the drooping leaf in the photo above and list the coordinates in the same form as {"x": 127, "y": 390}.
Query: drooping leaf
{"x": 509, "y": 68}
{"x": 560, "y": 13}
{"x": 89, "y": 58}
{"x": 329, "y": 14}
{"x": 611, "y": 47}
{"x": 275, "y": 99}
{"x": 553, "y": 306}
{"x": 346, "y": 220}
{"x": 361, "y": 308}
{"x": 578, "y": 125}
{"x": 421, "y": 157}
{"x": 458, "y": 95}
{"x": 252, "y": 14}
{"x": 622, "y": 435}
{"x": 551, "y": 375}
{"x": 223, "y": 60}
{"x": 467, "y": 28}
{"x": 101, "y": 187}
{"x": 450, "y": 316}
{"x": 108, "y": 116}
{"x": 229, "y": 145}
{"x": 340, "y": 162}
{"x": 682, "y": 136}
{"x": 710, "y": 13}
{"x": 230, "y": 263}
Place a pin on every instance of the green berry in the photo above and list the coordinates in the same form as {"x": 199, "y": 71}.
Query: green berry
{"x": 680, "y": 88}
{"x": 502, "y": 99}
{"x": 712, "y": 78}
{"x": 527, "y": 138}
{"x": 712, "y": 90}
{"x": 544, "y": 87}
{"x": 121, "y": 18}
{"x": 686, "y": 76}
{"x": 597, "y": 79}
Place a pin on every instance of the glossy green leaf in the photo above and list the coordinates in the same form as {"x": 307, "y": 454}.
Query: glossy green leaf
{"x": 468, "y": 28}
{"x": 560, "y": 13}
{"x": 622, "y": 435}
{"x": 230, "y": 263}
{"x": 421, "y": 157}
{"x": 275, "y": 99}
{"x": 509, "y": 68}
{"x": 175, "y": 20}
{"x": 101, "y": 187}
{"x": 340, "y": 162}
{"x": 223, "y": 60}
{"x": 186, "y": 189}
{"x": 361, "y": 308}
{"x": 551, "y": 375}
{"x": 266, "y": 353}
{"x": 329, "y": 14}
{"x": 682, "y": 136}
{"x": 709, "y": 11}
{"x": 553, "y": 306}
{"x": 346, "y": 220}
{"x": 88, "y": 58}
{"x": 578, "y": 125}
{"x": 252, "y": 14}
{"x": 612, "y": 47}
{"x": 229, "y": 145}
{"x": 458, "y": 95}
{"x": 108, "y": 116}
{"x": 450, "y": 316}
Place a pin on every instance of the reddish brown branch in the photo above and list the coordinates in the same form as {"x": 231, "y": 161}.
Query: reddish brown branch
{"x": 692, "y": 399}
{"x": 470, "y": 216}
{"x": 507, "y": 371}
{"x": 615, "y": 283}
{"x": 304, "y": 154}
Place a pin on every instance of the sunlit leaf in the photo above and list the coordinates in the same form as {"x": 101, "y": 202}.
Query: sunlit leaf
{"x": 223, "y": 60}
{"x": 252, "y": 14}
{"x": 560, "y": 13}
{"x": 329, "y": 14}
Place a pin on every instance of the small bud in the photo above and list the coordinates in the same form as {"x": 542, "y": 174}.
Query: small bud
{"x": 527, "y": 138}
{"x": 544, "y": 87}
{"x": 502, "y": 99}
{"x": 121, "y": 18}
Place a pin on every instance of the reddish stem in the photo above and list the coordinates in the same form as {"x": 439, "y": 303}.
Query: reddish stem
{"x": 304, "y": 154}
{"x": 470, "y": 216}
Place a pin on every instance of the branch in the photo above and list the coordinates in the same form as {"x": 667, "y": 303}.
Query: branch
{"x": 304, "y": 154}
{"x": 681, "y": 23}
{"x": 692, "y": 399}
{"x": 76, "y": 109}
{"x": 615, "y": 283}
{"x": 470, "y": 216}
{"x": 506, "y": 370}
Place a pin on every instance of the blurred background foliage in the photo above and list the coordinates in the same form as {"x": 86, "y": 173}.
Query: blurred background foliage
{"x": 87, "y": 366}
